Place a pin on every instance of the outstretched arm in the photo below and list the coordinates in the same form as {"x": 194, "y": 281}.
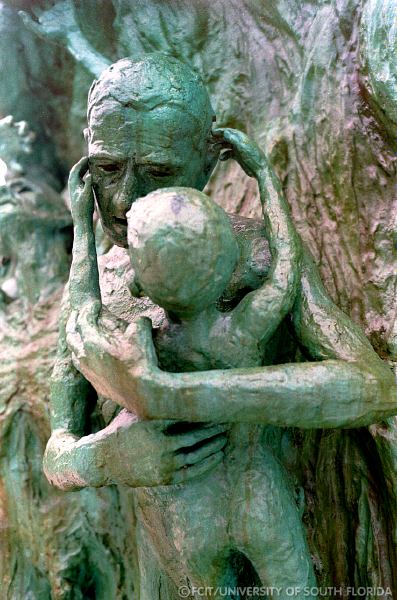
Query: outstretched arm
{"x": 57, "y": 22}
{"x": 261, "y": 311}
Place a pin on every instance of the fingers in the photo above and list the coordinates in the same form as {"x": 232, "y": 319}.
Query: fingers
{"x": 77, "y": 173}
{"x": 22, "y": 128}
{"x": 185, "y": 474}
{"x": 233, "y": 137}
{"x": 140, "y": 338}
{"x": 87, "y": 195}
{"x": 229, "y": 140}
{"x": 8, "y": 120}
{"x": 180, "y": 441}
{"x": 218, "y": 132}
{"x": 226, "y": 154}
{"x": 226, "y": 133}
{"x": 81, "y": 327}
{"x": 183, "y": 459}
{"x": 73, "y": 337}
{"x": 219, "y": 139}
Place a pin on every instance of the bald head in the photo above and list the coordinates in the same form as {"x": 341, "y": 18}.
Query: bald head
{"x": 156, "y": 81}
{"x": 182, "y": 248}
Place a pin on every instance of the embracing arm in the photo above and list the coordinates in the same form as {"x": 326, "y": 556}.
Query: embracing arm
{"x": 128, "y": 451}
{"x": 306, "y": 395}
{"x": 350, "y": 386}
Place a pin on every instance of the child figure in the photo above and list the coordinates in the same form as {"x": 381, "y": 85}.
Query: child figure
{"x": 238, "y": 524}
{"x": 183, "y": 252}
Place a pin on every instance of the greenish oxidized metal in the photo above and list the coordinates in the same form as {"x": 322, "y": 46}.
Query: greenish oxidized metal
{"x": 146, "y": 135}
{"x": 314, "y": 84}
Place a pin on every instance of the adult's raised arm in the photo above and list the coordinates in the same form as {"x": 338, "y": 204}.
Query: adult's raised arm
{"x": 128, "y": 451}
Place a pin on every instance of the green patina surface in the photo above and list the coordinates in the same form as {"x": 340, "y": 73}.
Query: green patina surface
{"x": 314, "y": 84}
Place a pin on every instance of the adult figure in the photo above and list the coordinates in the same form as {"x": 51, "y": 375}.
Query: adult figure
{"x": 149, "y": 127}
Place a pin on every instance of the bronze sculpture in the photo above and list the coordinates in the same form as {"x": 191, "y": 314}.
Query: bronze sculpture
{"x": 348, "y": 386}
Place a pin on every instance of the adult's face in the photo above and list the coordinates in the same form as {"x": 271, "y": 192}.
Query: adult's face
{"x": 132, "y": 153}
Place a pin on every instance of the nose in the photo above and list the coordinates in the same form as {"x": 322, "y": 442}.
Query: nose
{"x": 127, "y": 191}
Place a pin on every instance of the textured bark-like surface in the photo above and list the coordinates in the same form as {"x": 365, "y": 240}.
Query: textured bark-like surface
{"x": 301, "y": 79}
{"x": 53, "y": 546}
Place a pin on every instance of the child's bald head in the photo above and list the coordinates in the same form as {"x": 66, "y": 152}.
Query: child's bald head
{"x": 182, "y": 248}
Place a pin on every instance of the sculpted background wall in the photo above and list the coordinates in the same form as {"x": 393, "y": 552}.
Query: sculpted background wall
{"x": 313, "y": 83}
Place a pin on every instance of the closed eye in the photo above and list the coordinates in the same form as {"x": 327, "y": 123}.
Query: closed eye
{"x": 160, "y": 173}
{"x": 109, "y": 167}
{"x": 160, "y": 170}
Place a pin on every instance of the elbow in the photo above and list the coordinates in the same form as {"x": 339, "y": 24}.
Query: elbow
{"x": 64, "y": 466}
{"x": 379, "y": 395}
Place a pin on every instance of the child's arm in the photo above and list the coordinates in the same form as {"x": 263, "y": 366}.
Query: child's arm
{"x": 260, "y": 312}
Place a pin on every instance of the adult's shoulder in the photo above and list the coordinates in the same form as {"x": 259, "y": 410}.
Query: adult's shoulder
{"x": 254, "y": 261}
{"x": 115, "y": 277}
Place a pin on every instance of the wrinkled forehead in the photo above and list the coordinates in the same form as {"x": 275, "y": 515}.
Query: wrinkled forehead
{"x": 121, "y": 130}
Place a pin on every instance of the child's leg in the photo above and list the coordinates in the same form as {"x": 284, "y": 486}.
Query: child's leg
{"x": 154, "y": 582}
{"x": 268, "y": 530}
